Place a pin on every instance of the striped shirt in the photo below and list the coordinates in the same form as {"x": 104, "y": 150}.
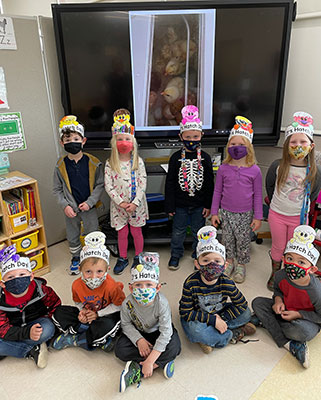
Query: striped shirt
{"x": 201, "y": 302}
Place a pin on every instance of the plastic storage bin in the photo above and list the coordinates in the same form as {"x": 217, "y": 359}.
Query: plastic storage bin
{"x": 26, "y": 243}
{"x": 37, "y": 261}
{"x": 19, "y": 222}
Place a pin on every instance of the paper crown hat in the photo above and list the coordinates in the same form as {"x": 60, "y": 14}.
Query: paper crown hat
{"x": 122, "y": 123}
{"x": 302, "y": 123}
{"x": 95, "y": 247}
{"x": 207, "y": 242}
{"x": 301, "y": 243}
{"x": 242, "y": 127}
{"x": 190, "y": 120}
{"x": 70, "y": 123}
{"x": 10, "y": 260}
{"x": 147, "y": 269}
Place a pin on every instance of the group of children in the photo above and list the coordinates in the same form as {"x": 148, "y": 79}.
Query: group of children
{"x": 213, "y": 311}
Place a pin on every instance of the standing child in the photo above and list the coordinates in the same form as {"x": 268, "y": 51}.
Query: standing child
{"x": 95, "y": 320}
{"x": 189, "y": 185}
{"x": 26, "y": 307}
{"x": 206, "y": 315}
{"x": 78, "y": 184}
{"x": 238, "y": 193}
{"x": 125, "y": 183}
{"x": 149, "y": 339}
{"x": 291, "y": 183}
{"x": 293, "y": 316}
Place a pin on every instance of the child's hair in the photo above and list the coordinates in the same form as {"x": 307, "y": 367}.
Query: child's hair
{"x": 114, "y": 157}
{"x": 250, "y": 157}
{"x": 285, "y": 162}
{"x": 68, "y": 132}
{"x": 92, "y": 261}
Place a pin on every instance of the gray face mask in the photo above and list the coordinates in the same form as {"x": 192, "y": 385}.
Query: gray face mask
{"x": 94, "y": 283}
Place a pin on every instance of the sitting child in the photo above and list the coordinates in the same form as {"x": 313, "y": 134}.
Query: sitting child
{"x": 26, "y": 307}
{"x": 293, "y": 316}
{"x": 206, "y": 316}
{"x": 96, "y": 318}
{"x": 149, "y": 340}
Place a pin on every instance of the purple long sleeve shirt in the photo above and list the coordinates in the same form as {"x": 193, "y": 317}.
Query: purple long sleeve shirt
{"x": 238, "y": 189}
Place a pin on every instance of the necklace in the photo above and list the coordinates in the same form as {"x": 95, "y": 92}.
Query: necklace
{"x": 191, "y": 179}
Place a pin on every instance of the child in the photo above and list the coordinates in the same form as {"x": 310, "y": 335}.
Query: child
{"x": 291, "y": 183}
{"x": 78, "y": 184}
{"x": 206, "y": 316}
{"x": 26, "y": 307}
{"x": 149, "y": 340}
{"x": 238, "y": 193}
{"x": 95, "y": 320}
{"x": 189, "y": 185}
{"x": 293, "y": 316}
{"x": 125, "y": 183}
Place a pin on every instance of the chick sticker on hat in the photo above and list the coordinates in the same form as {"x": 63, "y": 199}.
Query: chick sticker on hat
{"x": 207, "y": 242}
{"x": 302, "y": 123}
{"x": 190, "y": 119}
{"x": 10, "y": 260}
{"x": 302, "y": 243}
{"x": 122, "y": 122}
{"x": 70, "y": 122}
{"x": 242, "y": 127}
{"x": 95, "y": 247}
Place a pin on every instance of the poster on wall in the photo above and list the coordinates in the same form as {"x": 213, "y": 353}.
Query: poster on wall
{"x": 7, "y": 36}
{"x": 3, "y": 90}
{"x": 11, "y": 132}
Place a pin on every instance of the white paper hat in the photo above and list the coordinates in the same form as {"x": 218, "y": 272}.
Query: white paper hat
{"x": 69, "y": 122}
{"x": 301, "y": 243}
{"x": 302, "y": 123}
{"x": 190, "y": 120}
{"x": 10, "y": 260}
{"x": 95, "y": 247}
{"x": 147, "y": 269}
{"x": 207, "y": 242}
{"x": 242, "y": 127}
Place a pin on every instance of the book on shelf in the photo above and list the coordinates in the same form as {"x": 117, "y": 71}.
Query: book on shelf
{"x": 29, "y": 201}
{"x": 19, "y": 200}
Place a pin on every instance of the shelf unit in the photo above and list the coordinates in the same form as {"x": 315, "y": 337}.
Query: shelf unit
{"x": 7, "y": 233}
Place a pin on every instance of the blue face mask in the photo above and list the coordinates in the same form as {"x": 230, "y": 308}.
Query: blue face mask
{"x": 18, "y": 285}
{"x": 191, "y": 145}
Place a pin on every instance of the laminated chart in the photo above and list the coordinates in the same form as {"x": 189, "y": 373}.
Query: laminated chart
{"x": 11, "y": 132}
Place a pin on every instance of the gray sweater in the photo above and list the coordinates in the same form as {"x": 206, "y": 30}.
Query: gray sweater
{"x": 157, "y": 316}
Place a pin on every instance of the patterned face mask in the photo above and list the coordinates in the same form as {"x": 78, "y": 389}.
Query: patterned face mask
{"x": 211, "y": 270}
{"x": 294, "y": 271}
{"x": 191, "y": 145}
{"x": 299, "y": 152}
{"x": 144, "y": 296}
{"x": 94, "y": 283}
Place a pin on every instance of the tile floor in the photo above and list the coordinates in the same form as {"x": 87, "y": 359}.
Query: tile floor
{"x": 233, "y": 373}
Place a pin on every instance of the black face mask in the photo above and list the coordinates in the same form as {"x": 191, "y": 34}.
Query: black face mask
{"x": 73, "y": 147}
{"x": 191, "y": 145}
{"x": 18, "y": 285}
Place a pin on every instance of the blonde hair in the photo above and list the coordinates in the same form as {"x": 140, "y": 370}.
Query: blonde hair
{"x": 250, "y": 157}
{"x": 285, "y": 163}
{"x": 114, "y": 157}
{"x": 91, "y": 261}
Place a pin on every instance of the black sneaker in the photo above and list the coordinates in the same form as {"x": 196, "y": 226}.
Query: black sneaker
{"x": 109, "y": 345}
{"x": 2, "y": 357}
{"x": 173, "y": 263}
{"x": 121, "y": 264}
{"x": 39, "y": 354}
{"x": 135, "y": 261}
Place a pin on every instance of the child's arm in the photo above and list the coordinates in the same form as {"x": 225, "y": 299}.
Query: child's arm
{"x": 127, "y": 325}
{"x": 116, "y": 296}
{"x": 10, "y": 332}
{"x": 270, "y": 179}
{"x": 217, "y": 195}
{"x": 278, "y": 306}
{"x": 51, "y": 300}
{"x": 257, "y": 201}
{"x": 109, "y": 185}
{"x": 97, "y": 189}
{"x": 239, "y": 303}
{"x": 314, "y": 293}
{"x": 57, "y": 190}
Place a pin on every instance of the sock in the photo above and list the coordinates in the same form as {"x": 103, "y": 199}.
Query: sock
{"x": 287, "y": 346}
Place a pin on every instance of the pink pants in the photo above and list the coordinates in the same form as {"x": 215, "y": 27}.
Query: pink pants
{"x": 281, "y": 227}
{"x": 123, "y": 240}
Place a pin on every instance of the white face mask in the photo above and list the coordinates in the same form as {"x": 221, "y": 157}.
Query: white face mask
{"x": 94, "y": 283}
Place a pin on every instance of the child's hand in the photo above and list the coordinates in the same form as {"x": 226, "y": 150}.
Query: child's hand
{"x": 256, "y": 224}
{"x": 131, "y": 208}
{"x": 84, "y": 206}
{"x": 206, "y": 212}
{"x": 35, "y": 332}
{"x": 82, "y": 317}
{"x": 220, "y": 325}
{"x": 91, "y": 316}
{"x": 70, "y": 213}
{"x": 215, "y": 221}
{"x": 147, "y": 369}
{"x": 290, "y": 315}
{"x": 144, "y": 347}
{"x": 123, "y": 204}
{"x": 171, "y": 214}
{"x": 278, "y": 307}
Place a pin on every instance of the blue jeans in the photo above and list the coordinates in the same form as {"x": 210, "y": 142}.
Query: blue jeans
{"x": 200, "y": 332}
{"x": 182, "y": 218}
{"x": 20, "y": 349}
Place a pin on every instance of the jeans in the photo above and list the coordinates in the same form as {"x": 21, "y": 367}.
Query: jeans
{"x": 21, "y": 348}
{"x": 182, "y": 218}
{"x": 200, "y": 332}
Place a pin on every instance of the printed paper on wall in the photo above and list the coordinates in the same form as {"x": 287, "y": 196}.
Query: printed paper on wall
{"x": 11, "y": 132}
{"x": 3, "y": 90}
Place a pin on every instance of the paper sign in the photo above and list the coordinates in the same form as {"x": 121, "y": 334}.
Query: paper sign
{"x": 3, "y": 90}
{"x": 11, "y": 132}
{"x": 7, "y": 183}
{"x": 7, "y": 36}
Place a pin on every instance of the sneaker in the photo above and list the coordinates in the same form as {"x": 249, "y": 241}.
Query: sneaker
{"x": 229, "y": 270}
{"x": 39, "y": 354}
{"x": 301, "y": 352}
{"x": 169, "y": 369}
{"x": 135, "y": 261}
{"x": 109, "y": 345}
{"x": 245, "y": 330}
{"x": 74, "y": 266}
{"x": 131, "y": 374}
{"x": 239, "y": 276}
{"x": 255, "y": 321}
{"x": 173, "y": 263}
{"x": 2, "y": 357}
{"x": 63, "y": 341}
{"x": 121, "y": 264}
{"x": 206, "y": 349}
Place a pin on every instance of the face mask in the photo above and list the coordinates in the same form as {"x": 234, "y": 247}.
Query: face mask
{"x": 294, "y": 271}
{"x": 191, "y": 145}
{"x": 144, "y": 296}
{"x": 211, "y": 270}
{"x": 124, "y": 146}
{"x": 237, "y": 152}
{"x": 73, "y": 147}
{"x": 18, "y": 285}
{"x": 93, "y": 283}
{"x": 299, "y": 152}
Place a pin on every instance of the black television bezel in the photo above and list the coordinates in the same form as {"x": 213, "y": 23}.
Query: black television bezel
{"x": 95, "y": 141}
